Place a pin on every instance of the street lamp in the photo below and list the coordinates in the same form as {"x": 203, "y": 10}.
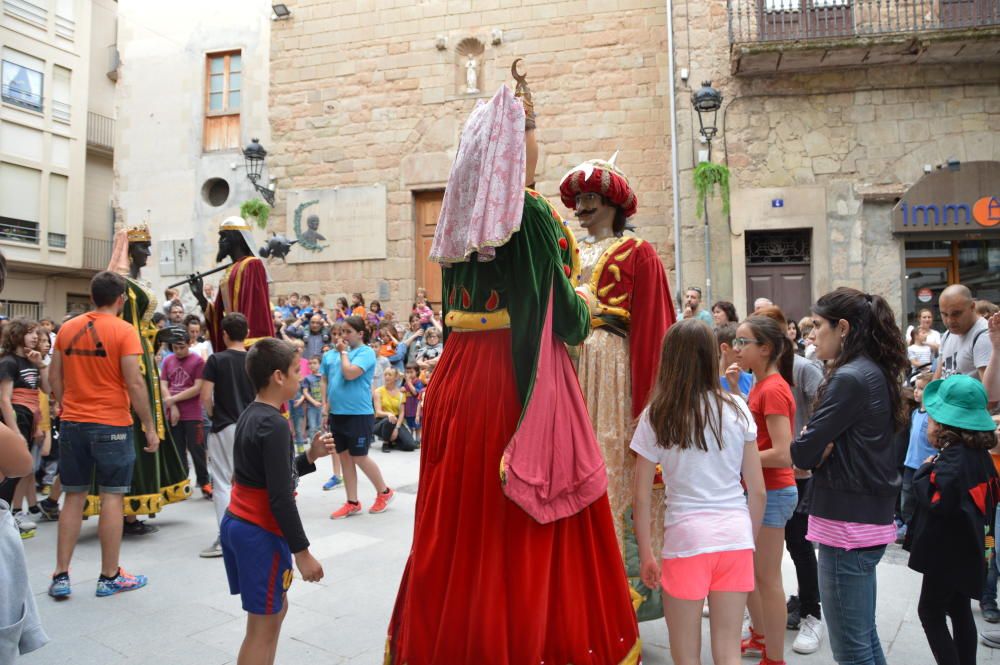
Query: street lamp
{"x": 707, "y": 101}
{"x": 254, "y": 155}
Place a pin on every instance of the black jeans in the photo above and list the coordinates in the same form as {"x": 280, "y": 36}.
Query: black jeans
{"x": 803, "y": 556}
{"x": 939, "y": 599}
{"x": 189, "y": 435}
{"x": 404, "y": 438}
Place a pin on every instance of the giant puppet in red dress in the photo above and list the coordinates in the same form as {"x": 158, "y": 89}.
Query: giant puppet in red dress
{"x": 619, "y": 360}
{"x": 243, "y": 287}
{"x": 514, "y": 559}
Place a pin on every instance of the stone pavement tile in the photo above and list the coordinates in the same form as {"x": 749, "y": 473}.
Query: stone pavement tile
{"x": 80, "y": 650}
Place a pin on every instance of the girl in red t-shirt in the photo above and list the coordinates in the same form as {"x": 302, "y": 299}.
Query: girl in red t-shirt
{"x": 762, "y": 347}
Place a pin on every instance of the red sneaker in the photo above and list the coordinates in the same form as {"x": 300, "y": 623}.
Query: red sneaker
{"x": 767, "y": 661}
{"x": 206, "y": 491}
{"x": 753, "y": 645}
{"x": 346, "y": 510}
{"x": 382, "y": 502}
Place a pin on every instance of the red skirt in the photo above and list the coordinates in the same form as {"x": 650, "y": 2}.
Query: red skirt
{"x": 485, "y": 583}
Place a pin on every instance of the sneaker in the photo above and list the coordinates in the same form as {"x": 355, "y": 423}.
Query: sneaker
{"x": 119, "y": 584}
{"x": 794, "y": 618}
{"x": 212, "y": 552}
{"x": 810, "y": 635}
{"x": 990, "y": 613}
{"x": 206, "y": 491}
{"x": 382, "y": 502}
{"x": 753, "y": 645}
{"x": 767, "y": 661}
{"x": 139, "y": 528}
{"x": 24, "y": 522}
{"x": 49, "y": 510}
{"x": 60, "y": 587}
{"x": 333, "y": 482}
{"x": 346, "y": 510}
{"x": 900, "y": 534}
{"x": 745, "y": 632}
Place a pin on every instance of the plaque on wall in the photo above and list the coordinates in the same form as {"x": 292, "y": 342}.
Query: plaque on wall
{"x": 339, "y": 224}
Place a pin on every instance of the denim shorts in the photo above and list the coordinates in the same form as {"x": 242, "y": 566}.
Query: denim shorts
{"x": 780, "y": 506}
{"x": 92, "y": 451}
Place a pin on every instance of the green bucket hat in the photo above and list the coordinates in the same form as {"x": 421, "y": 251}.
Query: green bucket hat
{"x": 959, "y": 401}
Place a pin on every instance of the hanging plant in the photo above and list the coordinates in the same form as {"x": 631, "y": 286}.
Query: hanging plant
{"x": 257, "y": 209}
{"x": 706, "y": 176}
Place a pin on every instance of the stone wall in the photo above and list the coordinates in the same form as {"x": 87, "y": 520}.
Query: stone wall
{"x": 843, "y": 128}
{"x": 360, "y": 94}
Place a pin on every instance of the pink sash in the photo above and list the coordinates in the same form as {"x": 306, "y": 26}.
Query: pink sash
{"x": 553, "y": 466}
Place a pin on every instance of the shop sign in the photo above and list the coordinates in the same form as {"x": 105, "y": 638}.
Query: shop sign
{"x": 966, "y": 199}
{"x": 925, "y": 295}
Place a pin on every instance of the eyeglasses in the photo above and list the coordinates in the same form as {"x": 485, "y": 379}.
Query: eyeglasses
{"x": 740, "y": 342}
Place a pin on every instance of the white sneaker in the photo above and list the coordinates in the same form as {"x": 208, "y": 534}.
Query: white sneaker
{"x": 745, "y": 634}
{"x": 23, "y": 523}
{"x": 213, "y": 551}
{"x": 810, "y": 635}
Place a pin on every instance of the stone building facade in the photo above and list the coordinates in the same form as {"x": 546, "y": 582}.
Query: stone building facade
{"x": 374, "y": 94}
{"x": 56, "y": 149}
{"x": 831, "y": 112}
{"x": 192, "y": 92}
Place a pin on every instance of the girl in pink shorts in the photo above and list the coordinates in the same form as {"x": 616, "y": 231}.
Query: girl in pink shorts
{"x": 705, "y": 440}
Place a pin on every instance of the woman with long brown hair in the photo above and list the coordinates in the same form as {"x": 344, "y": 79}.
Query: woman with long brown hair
{"x": 705, "y": 440}
{"x": 855, "y": 478}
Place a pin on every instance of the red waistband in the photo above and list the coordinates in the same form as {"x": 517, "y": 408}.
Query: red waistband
{"x": 251, "y": 505}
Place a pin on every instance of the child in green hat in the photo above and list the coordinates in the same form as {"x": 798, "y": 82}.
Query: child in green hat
{"x": 956, "y": 493}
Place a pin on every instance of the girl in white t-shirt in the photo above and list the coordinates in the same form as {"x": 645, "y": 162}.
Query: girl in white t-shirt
{"x": 918, "y": 351}
{"x": 705, "y": 440}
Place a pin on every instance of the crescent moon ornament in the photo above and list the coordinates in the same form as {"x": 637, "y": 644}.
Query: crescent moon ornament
{"x": 523, "y": 92}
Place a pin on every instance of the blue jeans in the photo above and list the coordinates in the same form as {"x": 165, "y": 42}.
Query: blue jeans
{"x": 848, "y": 589}
{"x": 298, "y": 418}
{"x": 314, "y": 421}
{"x": 989, "y": 598}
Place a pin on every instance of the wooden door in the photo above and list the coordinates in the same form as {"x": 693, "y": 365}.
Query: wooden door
{"x": 787, "y": 285}
{"x": 427, "y": 206}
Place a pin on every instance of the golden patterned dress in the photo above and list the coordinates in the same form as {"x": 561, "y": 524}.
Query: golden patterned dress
{"x": 617, "y": 368}
{"x": 158, "y": 478}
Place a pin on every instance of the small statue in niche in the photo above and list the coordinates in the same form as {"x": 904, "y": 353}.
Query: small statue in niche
{"x": 471, "y": 76}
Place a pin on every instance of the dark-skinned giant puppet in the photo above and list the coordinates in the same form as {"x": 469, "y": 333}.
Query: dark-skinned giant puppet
{"x": 158, "y": 478}
{"x": 632, "y": 313}
{"x": 514, "y": 558}
{"x": 243, "y": 287}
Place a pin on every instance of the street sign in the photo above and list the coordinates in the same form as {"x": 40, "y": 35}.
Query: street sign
{"x": 777, "y": 203}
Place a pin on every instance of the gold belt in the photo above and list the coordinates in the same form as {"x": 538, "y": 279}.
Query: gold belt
{"x": 458, "y": 320}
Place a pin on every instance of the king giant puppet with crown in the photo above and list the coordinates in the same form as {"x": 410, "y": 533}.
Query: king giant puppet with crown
{"x": 243, "y": 287}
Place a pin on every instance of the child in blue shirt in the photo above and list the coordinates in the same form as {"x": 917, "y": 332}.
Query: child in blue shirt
{"x": 918, "y": 450}
{"x": 733, "y": 379}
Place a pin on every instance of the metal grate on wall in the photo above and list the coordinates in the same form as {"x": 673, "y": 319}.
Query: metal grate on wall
{"x": 778, "y": 246}
{"x": 13, "y": 309}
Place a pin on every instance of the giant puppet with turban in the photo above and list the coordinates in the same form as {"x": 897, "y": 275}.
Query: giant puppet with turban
{"x": 158, "y": 478}
{"x": 243, "y": 287}
{"x": 514, "y": 558}
{"x": 618, "y": 361}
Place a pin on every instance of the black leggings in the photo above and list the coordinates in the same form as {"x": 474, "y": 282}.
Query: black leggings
{"x": 803, "y": 556}
{"x": 939, "y": 599}
{"x": 189, "y": 436}
{"x": 404, "y": 439}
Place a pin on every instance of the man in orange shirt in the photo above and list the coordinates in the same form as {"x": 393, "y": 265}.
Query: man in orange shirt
{"x": 95, "y": 376}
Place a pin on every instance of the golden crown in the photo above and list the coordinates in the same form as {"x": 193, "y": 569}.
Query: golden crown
{"x": 139, "y": 233}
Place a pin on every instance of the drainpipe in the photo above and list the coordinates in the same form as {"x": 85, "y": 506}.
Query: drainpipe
{"x": 674, "y": 171}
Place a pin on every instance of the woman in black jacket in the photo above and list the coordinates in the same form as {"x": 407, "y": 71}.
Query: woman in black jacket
{"x": 955, "y": 494}
{"x": 848, "y": 444}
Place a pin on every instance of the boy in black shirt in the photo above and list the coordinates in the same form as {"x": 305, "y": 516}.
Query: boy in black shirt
{"x": 262, "y": 530}
{"x": 225, "y": 392}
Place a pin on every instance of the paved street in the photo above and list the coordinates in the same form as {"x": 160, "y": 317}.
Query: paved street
{"x": 186, "y": 614}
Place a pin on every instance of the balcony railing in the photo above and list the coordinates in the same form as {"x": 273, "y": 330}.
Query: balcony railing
{"x": 14, "y": 94}
{"x": 18, "y": 230}
{"x": 753, "y": 21}
{"x": 100, "y": 131}
{"x": 61, "y": 111}
{"x": 96, "y": 253}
